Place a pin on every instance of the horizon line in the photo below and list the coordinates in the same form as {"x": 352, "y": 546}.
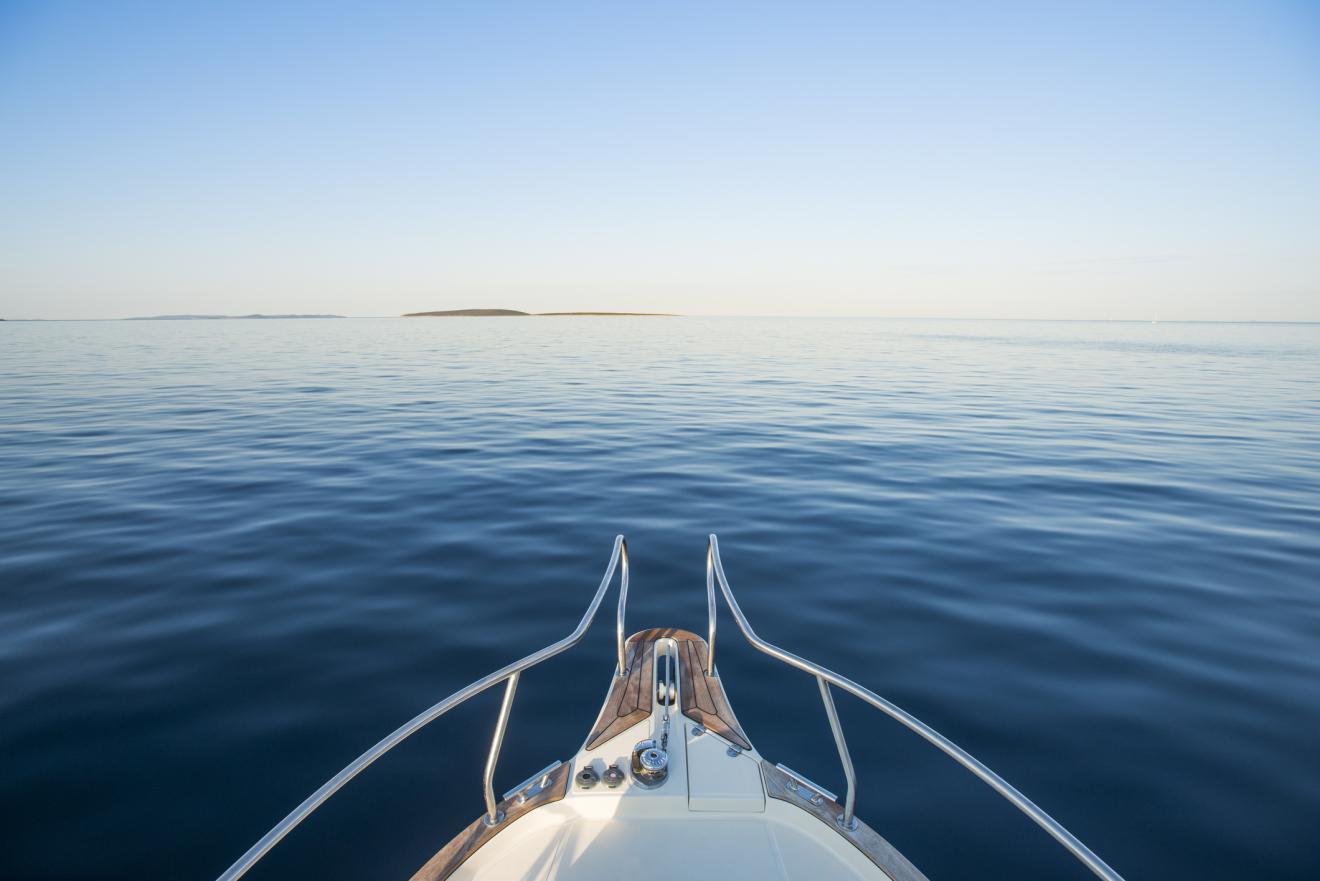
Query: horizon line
{"x": 599, "y": 314}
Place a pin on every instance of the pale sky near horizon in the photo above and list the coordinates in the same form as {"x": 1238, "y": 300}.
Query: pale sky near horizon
{"x": 1035, "y": 160}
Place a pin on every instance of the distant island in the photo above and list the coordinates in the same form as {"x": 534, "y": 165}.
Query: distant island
{"x": 466, "y": 313}
{"x": 514, "y": 313}
{"x": 219, "y": 317}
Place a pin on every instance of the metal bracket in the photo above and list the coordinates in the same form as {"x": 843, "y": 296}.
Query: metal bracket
{"x": 533, "y": 785}
{"x": 805, "y": 789}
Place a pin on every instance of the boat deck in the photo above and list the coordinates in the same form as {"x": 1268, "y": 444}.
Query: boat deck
{"x": 781, "y": 844}
{"x": 724, "y": 812}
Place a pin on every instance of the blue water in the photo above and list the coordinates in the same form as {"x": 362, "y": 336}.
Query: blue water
{"x": 237, "y": 553}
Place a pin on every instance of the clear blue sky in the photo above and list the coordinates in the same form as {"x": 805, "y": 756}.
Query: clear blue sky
{"x": 1050, "y": 160}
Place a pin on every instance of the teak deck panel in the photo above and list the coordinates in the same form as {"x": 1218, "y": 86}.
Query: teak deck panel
{"x": 703, "y": 696}
{"x": 630, "y": 699}
{"x": 467, "y": 842}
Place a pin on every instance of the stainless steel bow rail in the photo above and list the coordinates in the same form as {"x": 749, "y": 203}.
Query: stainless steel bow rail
{"x": 507, "y": 674}
{"x": 825, "y": 678}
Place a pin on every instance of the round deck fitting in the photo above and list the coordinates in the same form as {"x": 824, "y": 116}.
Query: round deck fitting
{"x": 587, "y": 777}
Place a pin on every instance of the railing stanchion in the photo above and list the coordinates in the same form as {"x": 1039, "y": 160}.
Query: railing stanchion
{"x": 846, "y": 819}
{"x": 710, "y": 607}
{"x": 493, "y": 816}
{"x": 623, "y": 600}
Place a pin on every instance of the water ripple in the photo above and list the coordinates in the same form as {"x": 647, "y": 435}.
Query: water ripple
{"x": 236, "y": 554}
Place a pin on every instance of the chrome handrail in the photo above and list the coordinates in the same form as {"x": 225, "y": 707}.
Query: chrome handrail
{"x": 715, "y": 571}
{"x": 509, "y": 673}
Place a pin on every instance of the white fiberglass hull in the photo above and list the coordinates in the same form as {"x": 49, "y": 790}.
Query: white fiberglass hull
{"x": 721, "y": 811}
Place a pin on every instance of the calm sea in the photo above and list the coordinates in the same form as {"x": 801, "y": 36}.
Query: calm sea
{"x": 234, "y": 554}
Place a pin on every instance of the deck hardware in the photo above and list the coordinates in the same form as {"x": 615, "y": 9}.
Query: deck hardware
{"x": 697, "y": 731}
{"x": 666, "y": 687}
{"x": 733, "y": 752}
{"x": 650, "y": 764}
{"x": 612, "y": 777}
{"x": 667, "y": 690}
{"x": 533, "y": 785}
{"x": 850, "y": 826}
{"x": 587, "y": 778}
{"x": 810, "y": 796}
{"x": 804, "y": 788}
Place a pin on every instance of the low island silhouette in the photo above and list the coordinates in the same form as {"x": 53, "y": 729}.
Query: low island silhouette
{"x": 514, "y": 313}
{"x": 219, "y": 317}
